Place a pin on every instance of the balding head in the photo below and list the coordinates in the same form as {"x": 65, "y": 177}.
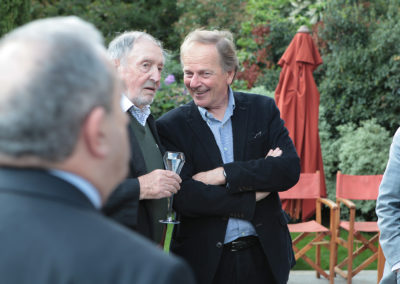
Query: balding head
{"x": 53, "y": 72}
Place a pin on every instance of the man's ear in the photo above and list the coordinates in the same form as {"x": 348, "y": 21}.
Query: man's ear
{"x": 93, "y": 132}
{"x": 231, "y": 76}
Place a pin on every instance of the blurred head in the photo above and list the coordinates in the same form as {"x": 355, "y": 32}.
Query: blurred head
{"x": 209, "y": 65}
{"x": 59, "y": 95}
{"x": 139, "y": 59}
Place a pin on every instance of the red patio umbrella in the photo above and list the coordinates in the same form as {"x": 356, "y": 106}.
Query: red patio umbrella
{"x": 297, "y": 98}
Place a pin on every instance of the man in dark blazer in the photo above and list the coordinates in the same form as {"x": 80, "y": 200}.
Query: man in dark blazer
{"x": 238, "y": 156}
{"x": 63, "y": 148}
{"x": 139, "y": 202}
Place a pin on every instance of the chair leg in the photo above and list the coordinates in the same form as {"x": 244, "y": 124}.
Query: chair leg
{"x": 332, "y": 258}
{"x": 381, "y": 263}
{"x": 318, "y": 259}
{"x": 350, "y": 245}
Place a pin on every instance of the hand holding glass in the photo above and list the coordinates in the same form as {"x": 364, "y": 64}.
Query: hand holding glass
{"x": 173, "y": 161}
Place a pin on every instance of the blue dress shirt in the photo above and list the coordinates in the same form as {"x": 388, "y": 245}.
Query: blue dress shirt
{"x": 222, "y": 131}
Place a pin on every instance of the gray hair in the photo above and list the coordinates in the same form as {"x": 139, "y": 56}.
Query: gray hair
{"x": 119, "y": 47}
{"x": 53, "y": 72}
{"x": 223, "y": 41}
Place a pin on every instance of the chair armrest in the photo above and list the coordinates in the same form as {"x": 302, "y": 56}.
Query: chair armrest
{"x": 348, "y": 203}
{"x": 328, "y": 202}
{"x": 333, "y": 208}
{"x": 352, "y": 216}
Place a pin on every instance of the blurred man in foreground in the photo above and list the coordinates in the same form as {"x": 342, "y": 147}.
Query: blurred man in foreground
{"x": 63, "y": 148}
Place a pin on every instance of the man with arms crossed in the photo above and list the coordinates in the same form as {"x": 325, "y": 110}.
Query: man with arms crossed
{"x": 63, "y": 148}
{"x": 237, "y": 151}
{"x": 139, "y": 202}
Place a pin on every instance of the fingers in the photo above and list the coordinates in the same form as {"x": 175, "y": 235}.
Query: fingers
{"x": 274, "y": 152}
{"x": 261, "y": 195}
{"x": 159, "y": 184}
{"x": 211, "y": 177}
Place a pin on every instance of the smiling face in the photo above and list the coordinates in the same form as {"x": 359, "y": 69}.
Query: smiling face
{"x": 204, "y": 77}
{"x": 141, "y": 71}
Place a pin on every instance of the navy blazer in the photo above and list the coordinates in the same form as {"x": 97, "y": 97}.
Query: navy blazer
{"x": 50, "y": 233}
{"x": 204, "y": 209}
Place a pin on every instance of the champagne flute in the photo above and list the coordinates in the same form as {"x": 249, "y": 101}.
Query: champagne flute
{"x": 173, "y": 161}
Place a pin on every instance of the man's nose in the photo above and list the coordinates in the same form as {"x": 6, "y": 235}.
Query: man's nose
{"x": 155, "y": 74}
{"x": 194, "y": 81}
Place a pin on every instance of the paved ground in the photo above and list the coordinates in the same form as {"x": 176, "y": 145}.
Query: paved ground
{"x": 308, "y": 277}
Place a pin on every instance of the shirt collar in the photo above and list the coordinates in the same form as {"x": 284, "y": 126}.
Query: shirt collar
{"x": 125, "y": 103}
{"x": 228, "y": 112}
{"x": 82, "y": 184}
{"x": 141, "y": 114}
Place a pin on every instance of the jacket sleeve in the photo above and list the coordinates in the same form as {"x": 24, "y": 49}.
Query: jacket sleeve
{"x": 388, "y": 205}
{"x": 196, "y": 199}
{"x": 122, "y": 204}
{"x": 246, "y": 175}
{"x": 266, "y": 173}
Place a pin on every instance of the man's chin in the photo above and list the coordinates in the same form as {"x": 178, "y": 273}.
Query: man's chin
{"x": 144, "y": 100}
{"x": 201, "y": 102}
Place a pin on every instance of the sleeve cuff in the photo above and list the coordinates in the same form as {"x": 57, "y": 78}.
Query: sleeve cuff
{"x": 396, "y": 266}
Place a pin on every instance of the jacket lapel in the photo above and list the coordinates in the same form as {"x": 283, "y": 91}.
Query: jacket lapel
{"x": 152, "y": 125}
{"x": 204, "y": 135}
{"x": 240, "y": 120}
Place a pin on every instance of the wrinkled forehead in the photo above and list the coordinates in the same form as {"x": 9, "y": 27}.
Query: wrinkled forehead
{"x": 146, "y": 49}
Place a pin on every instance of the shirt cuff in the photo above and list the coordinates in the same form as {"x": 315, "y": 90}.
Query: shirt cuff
{"x": 396, "y": 266}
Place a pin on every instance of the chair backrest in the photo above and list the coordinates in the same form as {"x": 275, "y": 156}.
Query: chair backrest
{"x": 359, "y": 187}
{"x": 308, "y": 187}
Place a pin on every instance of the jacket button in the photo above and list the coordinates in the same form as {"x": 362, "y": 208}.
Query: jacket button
{"x": 219, "y": 245}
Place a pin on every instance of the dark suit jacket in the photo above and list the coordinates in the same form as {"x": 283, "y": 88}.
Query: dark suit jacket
{"x": 124, "y": 205}
{"x": 51, "y": 233}
{"x": 204, "y": 209}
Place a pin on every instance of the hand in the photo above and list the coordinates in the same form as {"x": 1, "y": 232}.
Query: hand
{"x": 159, "y": 184}
{"x": 274, "y": 153}
{"x": 213, "y": 177}
{"x": 271, "y": 153}
{"x": 261, "y": 195}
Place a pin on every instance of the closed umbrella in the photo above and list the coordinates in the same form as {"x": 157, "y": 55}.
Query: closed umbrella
{"x": 297, "y": 98}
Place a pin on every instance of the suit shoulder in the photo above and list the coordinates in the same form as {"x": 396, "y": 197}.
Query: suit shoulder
{"x": 254, "y": 99}
{"x": 175, "y": 114}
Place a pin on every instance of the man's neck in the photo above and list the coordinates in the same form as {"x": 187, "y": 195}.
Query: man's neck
{"x": 219, "y": 110}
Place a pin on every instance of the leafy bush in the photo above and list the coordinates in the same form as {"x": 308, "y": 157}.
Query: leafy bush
{"x": 217, "y": 14}
{"x": 168, "y": 97}
{"x": 116, "y": 16}
{"x": 265, "y": 36}
{"x": 359, "y": 151}
{"x": 361, "y": 71}
{"x": 13, "y": 14}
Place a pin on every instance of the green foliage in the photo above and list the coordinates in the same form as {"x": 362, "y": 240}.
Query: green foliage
{"x": 169, "y": 97}
{"x": 116, "y": 16}
{"x": 269, "y": 79}
{"x": 361, "y": 71}
{"x": 173, "y": 66}
{"x": 13, "y": 13}
{"x": 359, "y": 151}
{"x": 218, "y": 14}
{"x": 363, "y": 150}
{"x": 266, "y": 35}
{"x": 259, "y": 90}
